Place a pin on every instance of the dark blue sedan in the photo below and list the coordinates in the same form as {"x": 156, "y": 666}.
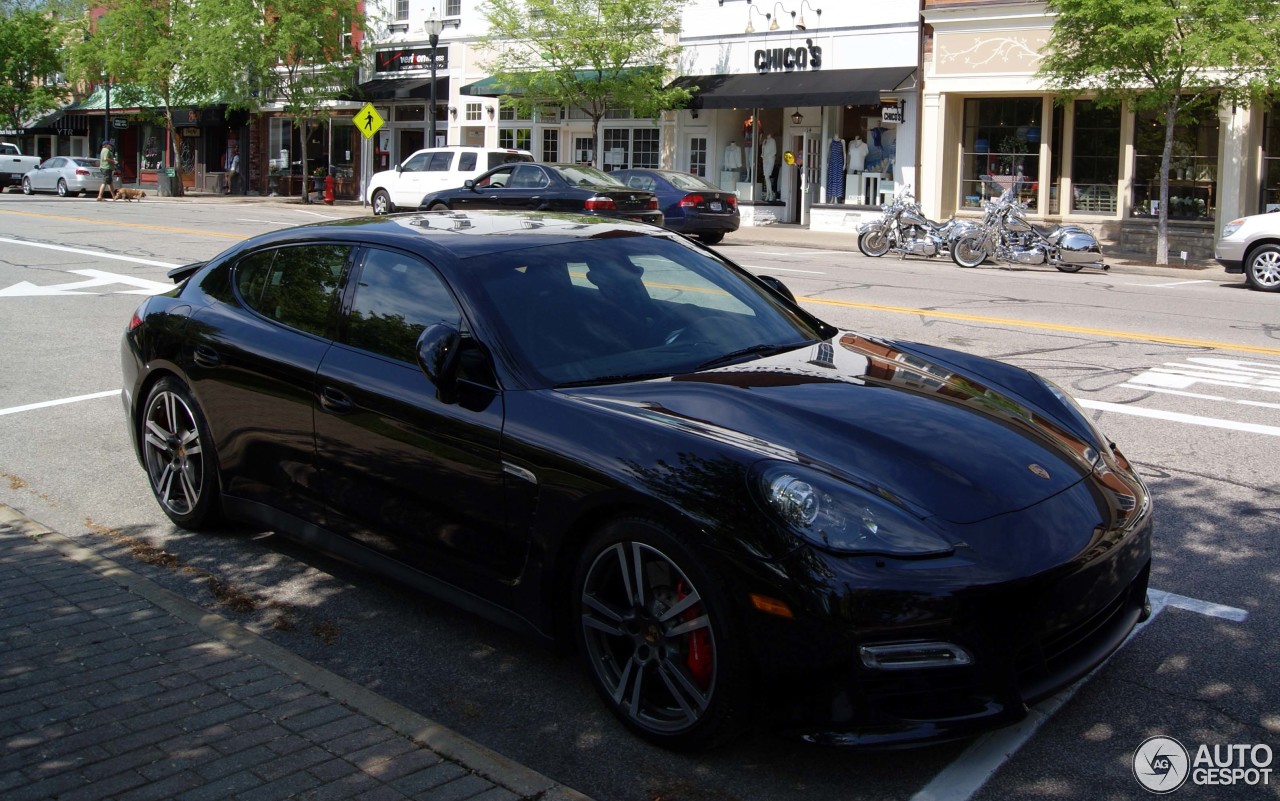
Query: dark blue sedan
{"x": 690, "y": 205}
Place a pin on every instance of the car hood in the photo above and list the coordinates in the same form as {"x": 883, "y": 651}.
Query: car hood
{"x": 870, "y": 411}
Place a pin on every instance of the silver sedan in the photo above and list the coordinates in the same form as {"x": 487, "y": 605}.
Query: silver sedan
{"x": 66, "y": 175}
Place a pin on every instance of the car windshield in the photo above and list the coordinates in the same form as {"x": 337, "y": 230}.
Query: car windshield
{"x": 602, "y": 310}
{"x": 578, "y": 175}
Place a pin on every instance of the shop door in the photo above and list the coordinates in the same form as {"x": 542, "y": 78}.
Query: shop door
{"x": 411, "y": 141}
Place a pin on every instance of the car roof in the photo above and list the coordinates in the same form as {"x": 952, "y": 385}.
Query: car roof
{"x": 462, "y": 234}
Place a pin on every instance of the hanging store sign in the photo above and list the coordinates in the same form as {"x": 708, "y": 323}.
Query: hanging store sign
{"x": 789, "y": 59}
{"x": 892, "y": 113}
{"x": 414, "y": 58}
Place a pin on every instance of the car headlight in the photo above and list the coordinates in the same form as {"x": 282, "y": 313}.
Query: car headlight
{"x": 1231, "y": 227}
{"x": 838, "y": 516}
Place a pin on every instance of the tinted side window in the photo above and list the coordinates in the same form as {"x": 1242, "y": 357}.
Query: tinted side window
{"x": 397, "y": 297}
{"x": 440, "y": 162}
{"x": 294, "y": 285}
{"x": 467, "y": 162}
{"x": 498, "y": 158}
{"x": 416, "y": 163}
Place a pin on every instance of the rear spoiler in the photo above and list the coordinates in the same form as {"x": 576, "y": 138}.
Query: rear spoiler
{"x": 180, "y": 274}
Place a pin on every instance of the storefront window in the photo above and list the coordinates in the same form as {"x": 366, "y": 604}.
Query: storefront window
{"x": 1192, "y": 169}
{"x": 1095, "y": 161}
{"x": 1271, "y": 162}
{"x": 550, "y": 145}
{"x": 345, "y": 149}
{"x": 1001, "y": 149}
{"x": 518, "y": 138}
{"x": 698, "y": 156}
{"x": 410, "y": 113}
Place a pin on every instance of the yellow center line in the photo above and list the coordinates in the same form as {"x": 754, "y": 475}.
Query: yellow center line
{"x": 1072, "y": 329}
{"x": 140, "y": 226}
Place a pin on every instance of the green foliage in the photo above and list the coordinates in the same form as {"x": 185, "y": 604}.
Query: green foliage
{"x": 590, "y": 54}
{"x": 30, "y": 41}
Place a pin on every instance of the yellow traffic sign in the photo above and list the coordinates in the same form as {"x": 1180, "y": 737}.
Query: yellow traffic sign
{"x": 368, "y": 121}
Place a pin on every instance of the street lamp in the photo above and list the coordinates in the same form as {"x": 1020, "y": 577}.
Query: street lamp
{"x": 432, "y": 26}
{"x": 106, "y": 122}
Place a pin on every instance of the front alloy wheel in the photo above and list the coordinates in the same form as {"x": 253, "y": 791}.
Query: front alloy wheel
{"x": 382, "y": 202}
{"x": 874, "y": 243}
{"x": 174, "y": 451}
{"x": 1263, "y": 270}
{"x": 968, "y": 251}
{"x": 657, "y": 638}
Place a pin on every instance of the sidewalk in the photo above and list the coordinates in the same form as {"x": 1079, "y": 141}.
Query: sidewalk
{"x": 112, "y": 687}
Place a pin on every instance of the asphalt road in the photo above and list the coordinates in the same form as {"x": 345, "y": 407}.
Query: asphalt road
{"x": 1181, "y": 368}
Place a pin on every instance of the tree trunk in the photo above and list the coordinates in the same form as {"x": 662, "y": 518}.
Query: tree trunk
{"x": 175, "y": 139}
{"x": 1166, "y": 158}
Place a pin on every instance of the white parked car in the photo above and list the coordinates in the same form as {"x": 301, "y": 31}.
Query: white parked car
{"x": 1251, "y": 245}
{"x": 431, "y": 170}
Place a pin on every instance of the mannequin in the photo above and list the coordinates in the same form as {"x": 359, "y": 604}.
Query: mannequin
{"x": 857, "y": 155}
{"x": 835, "y": 172}
{"x": 732, "y": 157}
{"x": 768, "y": 157}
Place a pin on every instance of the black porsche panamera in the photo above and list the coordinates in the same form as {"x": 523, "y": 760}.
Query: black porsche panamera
{"x": 604, "y": 433}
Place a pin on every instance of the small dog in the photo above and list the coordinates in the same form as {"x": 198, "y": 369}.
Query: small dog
{"x": 126, "y": 193}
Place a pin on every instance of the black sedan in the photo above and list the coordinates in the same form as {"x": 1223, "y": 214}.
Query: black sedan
{"x": 548, "y": 187}
{"x": 605, "y": 433}
{"x": 690, "y": 205}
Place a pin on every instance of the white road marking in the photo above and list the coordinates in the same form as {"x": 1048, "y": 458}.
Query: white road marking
{"x": 94, "y": 253}
{"x": 1178, "y": 417}
{"x": 46, "y": 404}
{"x": 767, "y": 270}
{"x": 1182, "y": 283}
{"x": 265, "y": 222}
{"x": 964, "y": 777}
{"x": 1200, "y": 396}
{"x": 96, "y": 278}
{"x": 806, "y": 252}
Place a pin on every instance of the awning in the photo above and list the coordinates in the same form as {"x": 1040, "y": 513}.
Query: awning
{"x": 492, "y": 87}
{"x": 810, "y": 88}
{"x": 394, "y": 88}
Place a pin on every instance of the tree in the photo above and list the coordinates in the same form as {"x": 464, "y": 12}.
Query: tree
{"x": 590, "y": 54}
{"x": 294, "y": 54}
{"x": 141, "y": 47}
{"x": 30, "y": 44}
{"x": 1167, "y": 56}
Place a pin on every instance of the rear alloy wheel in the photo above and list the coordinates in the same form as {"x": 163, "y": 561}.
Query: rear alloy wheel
{"x": 62, "y": 187}
{"x": 1262, "y": 271}
{"x": 713, "y": 238}
{"x": 657, "y": 637}
{"x": 874, "y": 243}
{"x": 178, "y": 454}
{"x": 382, "y": 202}
{"x": 967, "y": 251}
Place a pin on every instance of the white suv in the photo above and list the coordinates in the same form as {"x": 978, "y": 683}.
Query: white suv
{"x": 433, "y": 169}
{"x": 1251, "y": 245}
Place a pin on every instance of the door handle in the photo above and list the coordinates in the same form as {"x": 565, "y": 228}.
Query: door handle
{"x": 206, "y": 356}
{"x": 335, "y": 401}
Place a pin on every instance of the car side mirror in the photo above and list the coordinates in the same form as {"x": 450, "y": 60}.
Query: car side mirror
{"x": 469, "y": 184}
{"x": 437, "y": 354}
{"x": 777, "y": 286}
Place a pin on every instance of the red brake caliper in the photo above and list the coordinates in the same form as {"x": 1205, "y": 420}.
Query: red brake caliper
{"x": 699, "y": 656}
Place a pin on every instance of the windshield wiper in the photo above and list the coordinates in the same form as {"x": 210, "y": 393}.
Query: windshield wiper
{"x": 612, "y": 379}
{"x": 752, "y": 350}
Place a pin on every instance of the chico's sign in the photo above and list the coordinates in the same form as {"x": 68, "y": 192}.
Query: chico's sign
{"x": 789, "y": 59}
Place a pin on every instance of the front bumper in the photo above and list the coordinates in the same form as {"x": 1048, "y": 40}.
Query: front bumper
{"x": 1230, "y": 255}
{"x": 1028, "y": 638}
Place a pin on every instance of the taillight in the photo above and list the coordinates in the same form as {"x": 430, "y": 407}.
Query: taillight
{"x": 690, "y": 201}
{"x": 600, "y": 203}
{"x": 732, "y": 201}
{"x": 653, "y": 204}
{"x": 82, "y": 172}
{"x": 136, "y": 320}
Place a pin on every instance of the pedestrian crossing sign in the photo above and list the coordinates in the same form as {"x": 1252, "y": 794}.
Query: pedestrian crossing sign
{"x": 368, "y": 121}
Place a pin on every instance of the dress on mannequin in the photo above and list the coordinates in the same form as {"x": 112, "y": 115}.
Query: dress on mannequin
{"x": 835, "y": 172}
{"x": 768, "y": 157}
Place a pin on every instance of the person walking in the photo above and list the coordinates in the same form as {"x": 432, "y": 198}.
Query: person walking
{"x": 107, "y": 166}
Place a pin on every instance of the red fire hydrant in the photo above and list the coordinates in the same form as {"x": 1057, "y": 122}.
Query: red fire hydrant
{"x": 328, "y": 189}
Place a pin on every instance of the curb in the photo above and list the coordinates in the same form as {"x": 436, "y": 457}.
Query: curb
{"x": 488, "y": 764}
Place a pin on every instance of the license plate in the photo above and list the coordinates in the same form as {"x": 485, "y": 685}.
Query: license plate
{"x": 715, "y": 206}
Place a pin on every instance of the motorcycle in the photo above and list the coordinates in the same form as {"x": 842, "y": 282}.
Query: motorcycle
{"x": 1005, "y": 234}
{"x": 903, "y": 228}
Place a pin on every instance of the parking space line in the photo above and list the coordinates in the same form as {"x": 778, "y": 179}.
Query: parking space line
{"x": 1179, "y": 417}
{"x": 975, "y": 766}
{"x": 97, "y": 254}
{"x": 59, "y": 402}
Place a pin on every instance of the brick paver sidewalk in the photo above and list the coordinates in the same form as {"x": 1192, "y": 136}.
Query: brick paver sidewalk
{"x": 112, "y": 687}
